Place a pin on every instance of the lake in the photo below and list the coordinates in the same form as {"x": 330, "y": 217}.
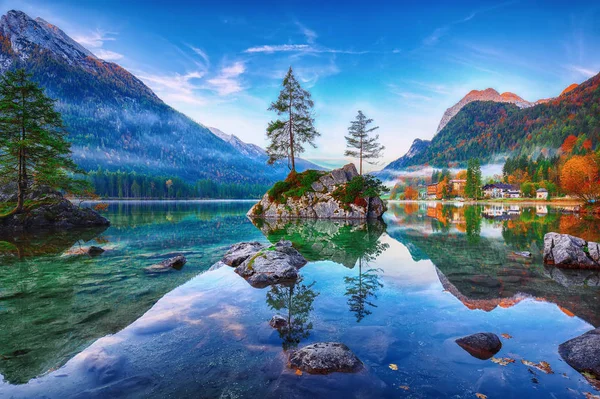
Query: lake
{"x": 397, "y": 292}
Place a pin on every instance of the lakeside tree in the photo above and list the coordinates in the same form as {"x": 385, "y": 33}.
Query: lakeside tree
{"x": 580, "y": 176}
{"x": 473, "y": 184}
{"x": 33, "y": 145}
{"x": 359, "y": 142}
{"x": 295, "y": 127}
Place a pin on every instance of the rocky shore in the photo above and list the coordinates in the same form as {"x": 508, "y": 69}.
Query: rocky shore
{"x": 47, "y": 209}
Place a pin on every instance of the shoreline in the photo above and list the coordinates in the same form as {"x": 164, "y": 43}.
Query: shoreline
{"x": 115, "y": 200}
{"x": 515, "y": 201}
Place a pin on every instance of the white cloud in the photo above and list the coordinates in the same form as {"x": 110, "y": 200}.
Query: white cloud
{"x": 278, "y": 48}
{"x": 588, "y": 73}
{"x": 309, "y": 34}
{"x": 227, "y": 81}
{"x": 94, "y": 39}
{"x": 174, "y": 87}
{"x": 300, "y": 48}
{"x": 107, "y": 55}
{"x": 202, "y": 55}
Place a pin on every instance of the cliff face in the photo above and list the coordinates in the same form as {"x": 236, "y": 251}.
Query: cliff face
{"x": 318, "y": 201}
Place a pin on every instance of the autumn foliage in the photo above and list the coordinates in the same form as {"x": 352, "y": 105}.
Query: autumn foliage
{"x": 580, "y": 177}
{"x": 410, "y": 193}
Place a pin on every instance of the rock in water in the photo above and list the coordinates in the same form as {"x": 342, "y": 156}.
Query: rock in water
{"x": 481, "y": 345}
{"x": 238, "y": 253}
{"x": 95, "y": 251}
{"x": 563, "y": 250}
{"x": 583, "y": 353}
{"x": 524, "y": 254}
{"x": 278, "y": 322}
{"x": 272, "y": 265}
{"x": 166, "y": 265}
{"x": 325, "y": 358}
{"x": 318, "y": 202}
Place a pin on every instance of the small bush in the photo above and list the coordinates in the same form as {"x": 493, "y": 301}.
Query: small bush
{"x": 294, "y": 186}
{"x": 359, "y": 188}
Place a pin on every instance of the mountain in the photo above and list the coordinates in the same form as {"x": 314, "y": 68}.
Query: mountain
{"x": 259, "y": 154}
{"x": 418, "y": 146}
{"x": 249, "y": 150}
{"x": 482, "y": 95}
{"x": 569, "y": 88}
{"x": 115, "y": 121}
{"x": 491, "y": 130}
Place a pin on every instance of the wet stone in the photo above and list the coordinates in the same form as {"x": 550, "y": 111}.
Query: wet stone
{"x": 481, "y": 345}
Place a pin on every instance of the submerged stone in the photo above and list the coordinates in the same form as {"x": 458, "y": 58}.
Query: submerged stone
{"x": 325, "y": 358}
{"x": 166, "y": 265}
{"x": 95, "y": 251}
{"x": 278, "y": 322}
{"x": 481, "y": 345}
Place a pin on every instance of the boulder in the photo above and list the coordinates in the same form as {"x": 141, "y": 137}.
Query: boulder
{"x": 325, "y": 358}
{"x": 583, "y": 353}
{"x": 278, "y": 322}
{"x": 276, "y": 264}
{"x": 563, "y": 250}
{"x": 481, "y": 345}
{"x": 238, "y": 253}
{"x": 319, "y": 203}
{"x": 53, "y": 213}
{"x": 167, "y": 265}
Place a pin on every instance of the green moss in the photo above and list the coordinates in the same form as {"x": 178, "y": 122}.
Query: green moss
{"x": 258, "y": 210}
{"x": 7, "y": 208}
{"x": 295, "y": 185}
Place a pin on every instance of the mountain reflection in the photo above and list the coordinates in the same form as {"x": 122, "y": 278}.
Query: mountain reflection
{"x": 473, "y": 249}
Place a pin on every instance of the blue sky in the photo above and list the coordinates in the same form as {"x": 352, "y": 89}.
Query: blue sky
{"x": 221, "y": 62}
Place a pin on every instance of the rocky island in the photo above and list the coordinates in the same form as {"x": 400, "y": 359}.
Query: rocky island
{"x": 339, "y": 194}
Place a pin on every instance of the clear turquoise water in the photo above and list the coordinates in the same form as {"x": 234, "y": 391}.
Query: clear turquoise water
{"x": 398, "y": 292}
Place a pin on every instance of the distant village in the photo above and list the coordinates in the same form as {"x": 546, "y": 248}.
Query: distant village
{"x": 489, "y": 191}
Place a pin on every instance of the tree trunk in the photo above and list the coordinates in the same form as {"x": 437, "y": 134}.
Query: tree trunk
{"x": 292, "y": 135}
{"x": 22, "y": 177}
{"x": 360, "y": 158}
{"x": 20, "y": 185}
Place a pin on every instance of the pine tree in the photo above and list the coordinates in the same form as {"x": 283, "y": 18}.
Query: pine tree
{"x": 33, "y": 145}
{"x": 473, "y": 184}
{"x": 359, "y": 142}
{"x": 287, "y": 135}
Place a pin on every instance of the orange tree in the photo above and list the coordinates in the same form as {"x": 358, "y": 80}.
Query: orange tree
{"x": 580, "y": 177}
{"x": 410, "y": 193}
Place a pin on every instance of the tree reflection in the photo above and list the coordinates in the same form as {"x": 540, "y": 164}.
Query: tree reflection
{"x": 361, "y": 290}
{"x": 296, "y": 302}
{"x": 473, "y": 223}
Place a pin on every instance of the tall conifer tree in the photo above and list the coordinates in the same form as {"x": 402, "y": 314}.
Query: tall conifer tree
{"x": 296, "y": 124}
{"x": 360, "y": 143}
{"x": 33, "y": 145}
